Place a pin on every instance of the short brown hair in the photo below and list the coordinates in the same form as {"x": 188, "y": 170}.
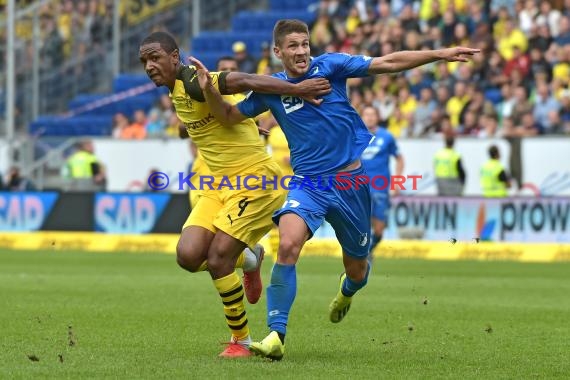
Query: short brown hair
{"x": 285, "y": 27}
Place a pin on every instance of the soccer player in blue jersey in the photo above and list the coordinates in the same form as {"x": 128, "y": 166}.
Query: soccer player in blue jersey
{"x": 376, "y": 162}
{"x": 324, "y": 140}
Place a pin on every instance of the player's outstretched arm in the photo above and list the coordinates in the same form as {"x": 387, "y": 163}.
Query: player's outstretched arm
{"x": 236, "y": 82}
{"x": 405, "y": 60}
{"x": 226, "y": 113}
{"x": 309, "y": 89}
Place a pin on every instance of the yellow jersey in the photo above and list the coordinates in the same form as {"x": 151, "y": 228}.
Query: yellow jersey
{"x": 229, "y": 151}
{"x": 280, "y": 149}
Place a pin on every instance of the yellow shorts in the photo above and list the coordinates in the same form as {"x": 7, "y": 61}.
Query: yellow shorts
{"x": 244, "y": 214}
{"x": 193, "y": 196}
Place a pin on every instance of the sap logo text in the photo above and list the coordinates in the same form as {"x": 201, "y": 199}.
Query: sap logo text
{"x": 129, "y": 213}
{"x": 25, "y": 211}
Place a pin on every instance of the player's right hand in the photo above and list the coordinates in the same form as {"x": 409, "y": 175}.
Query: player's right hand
{"x": 204, "y": 78}
{"x": 310, "y": 89}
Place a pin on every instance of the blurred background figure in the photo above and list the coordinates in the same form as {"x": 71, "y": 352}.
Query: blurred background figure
{"x": 14, "y": 181}
{"x": 494, "y": 178}
{"x": 83, "y": 169}
{"x": 246, "y": 62}
{"x": 449, "y": 173}
{"x": 376, "y": 162}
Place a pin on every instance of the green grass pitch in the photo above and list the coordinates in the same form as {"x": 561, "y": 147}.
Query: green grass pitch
{"x": 82, "y": 315}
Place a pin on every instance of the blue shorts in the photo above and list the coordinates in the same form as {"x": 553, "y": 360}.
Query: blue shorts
{"x": 380, "y": 205}
{"x": 345, "y": 205}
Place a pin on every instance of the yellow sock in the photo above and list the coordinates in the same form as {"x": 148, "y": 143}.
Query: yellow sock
{"x": 239, "y": 263}
{"x": 240, "y": 260}
{"x": 231, "y": 291}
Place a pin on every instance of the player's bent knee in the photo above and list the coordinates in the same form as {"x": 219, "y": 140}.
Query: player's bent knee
{"x": 289, "y": 250}
{"x": 186, "y": 259}
{"x": 218, "y": 263}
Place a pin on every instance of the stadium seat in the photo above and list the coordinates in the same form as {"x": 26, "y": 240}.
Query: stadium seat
{"x": 127, "y": 81}
{"x": 291, "y": 5}
{"x": 263, "y": 22}
{"x": 210, "y": 58}
{"x": 223, "y": 41}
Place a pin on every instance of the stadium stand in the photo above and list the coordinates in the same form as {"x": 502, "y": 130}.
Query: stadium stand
{"x": 518, "y": 87}
{"x": 252, "y": 28}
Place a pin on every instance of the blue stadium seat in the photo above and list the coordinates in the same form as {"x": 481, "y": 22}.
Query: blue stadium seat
{"x": 126, "y": 81}
{"x": 249, "y": 21}
{"x": 210, "y": 58}
{"x": 222, "y": 42}
{"x": 74, "y": 126}
{"x": 291, "y": 5}
{"x": 83, "y": 99}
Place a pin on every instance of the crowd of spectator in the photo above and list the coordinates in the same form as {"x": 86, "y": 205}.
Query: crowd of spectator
{"x": 69, "y": 28}
{"x": 517, "y": 86}
{"x": 160, "y": 122}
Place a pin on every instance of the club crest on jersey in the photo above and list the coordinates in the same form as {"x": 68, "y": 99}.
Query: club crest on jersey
{"x": 186, "y": 100}
{"x": 291, "y": 103}
{"x": 363, "y": 239}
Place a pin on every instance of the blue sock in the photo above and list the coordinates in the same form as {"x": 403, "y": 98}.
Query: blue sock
{"x": 280, "y": 296}
{"x": 349, "y": 287}
{"x": 375, "y": 240}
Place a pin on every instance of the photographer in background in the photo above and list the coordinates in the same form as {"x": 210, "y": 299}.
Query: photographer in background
{"x": 16, "y": 182}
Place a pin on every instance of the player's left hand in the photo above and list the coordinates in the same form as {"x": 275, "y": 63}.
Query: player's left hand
{"x": 458, "y": 54}
{"x": 263, "y": 131}
{"x": 204, "y": 78}
{"x": 310, "y": 89}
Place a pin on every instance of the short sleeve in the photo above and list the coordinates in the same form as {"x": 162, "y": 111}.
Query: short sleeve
{"x": 349, "y": 66}
{"x": 252, "y": 105}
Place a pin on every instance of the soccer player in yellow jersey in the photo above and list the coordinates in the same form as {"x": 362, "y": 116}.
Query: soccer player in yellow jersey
{"x": 224, "y": 222}
{"x": 199, "y": 167}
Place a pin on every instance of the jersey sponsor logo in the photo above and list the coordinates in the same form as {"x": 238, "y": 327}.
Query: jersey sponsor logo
{"x": 370, "y": 152}
{"x": 373, "y": 149}
{"x": 316, "y": 70}
{"x": 200, "y": 123}
{"x": 292, "y": 103}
